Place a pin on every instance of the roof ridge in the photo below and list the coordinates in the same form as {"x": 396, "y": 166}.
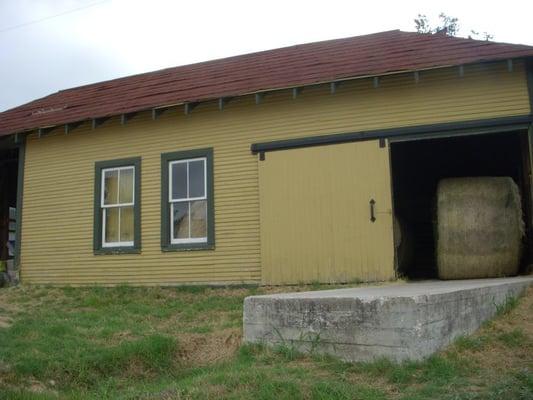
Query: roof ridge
{"x": 461, "y": 38}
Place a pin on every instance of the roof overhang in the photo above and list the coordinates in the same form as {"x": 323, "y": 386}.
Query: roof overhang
{"x": 259, "y": 95}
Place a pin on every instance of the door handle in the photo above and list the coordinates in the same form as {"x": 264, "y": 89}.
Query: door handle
{"x": 372, "y": 211}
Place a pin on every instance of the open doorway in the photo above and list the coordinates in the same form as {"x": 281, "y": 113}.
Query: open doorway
{"x": 9, "y": 155}
{"x": 418, "y": 166}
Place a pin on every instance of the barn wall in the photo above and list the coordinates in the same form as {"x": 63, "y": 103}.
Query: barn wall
{"x": 59, "y": 171}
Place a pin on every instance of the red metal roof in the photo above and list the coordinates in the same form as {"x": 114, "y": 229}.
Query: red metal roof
{"x": 375, "y": 54}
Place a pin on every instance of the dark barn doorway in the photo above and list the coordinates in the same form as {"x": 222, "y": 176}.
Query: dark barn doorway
{"x": 9, "y": 160}
{"x": 418, "y": 166}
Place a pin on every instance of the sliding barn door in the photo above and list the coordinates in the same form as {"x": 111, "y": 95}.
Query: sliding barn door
{"x": 326, "y": 214}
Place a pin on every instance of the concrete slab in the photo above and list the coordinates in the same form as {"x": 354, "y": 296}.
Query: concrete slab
{"x": 398, "y": 321}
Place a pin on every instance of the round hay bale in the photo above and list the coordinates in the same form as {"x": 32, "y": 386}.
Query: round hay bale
{"x": 403, "y": 243}
{"x": 479, "y": 227}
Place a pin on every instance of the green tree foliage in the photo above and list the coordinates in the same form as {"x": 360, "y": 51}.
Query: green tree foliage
{"x": 448, "y": 25}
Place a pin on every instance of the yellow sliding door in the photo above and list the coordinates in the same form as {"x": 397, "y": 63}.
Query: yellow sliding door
{"x": 318, "y": 223}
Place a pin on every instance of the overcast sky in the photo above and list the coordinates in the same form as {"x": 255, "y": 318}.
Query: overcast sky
{"x": 49, "y": 45}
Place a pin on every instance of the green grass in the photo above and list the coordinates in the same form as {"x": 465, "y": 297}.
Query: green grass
{"x": 184, "y": 343}
{"x": 514, "y": 338}
{"x": 474, "y": 343}
{"x": 506, "y": 307}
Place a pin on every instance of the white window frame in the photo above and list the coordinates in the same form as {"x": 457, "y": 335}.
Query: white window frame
{"x": 106, "y": 206}
{"x": 187, "y": 200}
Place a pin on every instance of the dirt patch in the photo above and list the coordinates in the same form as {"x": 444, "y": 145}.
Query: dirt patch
{"x": 19, "y": 299}
{"x": 123, "y": 335}
{"x": 6, "y": 301}
{"x": 5, "y": 322}
{"x": 36, "y": 387}
{"x": 202, "y": 349}
{"x": 170, "y": 394}
{"x": 228, "y": 291}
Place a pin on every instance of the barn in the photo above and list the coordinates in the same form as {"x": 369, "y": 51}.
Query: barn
{"x": 279, "y": 167}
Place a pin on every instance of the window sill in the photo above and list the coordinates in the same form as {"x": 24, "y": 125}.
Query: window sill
{"x": 116, "y": 250}
{"x": 187, "y": 247}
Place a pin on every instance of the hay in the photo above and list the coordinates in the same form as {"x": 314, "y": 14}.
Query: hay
{"x": 403, "y": 244}
{"x": 479, "y": 227}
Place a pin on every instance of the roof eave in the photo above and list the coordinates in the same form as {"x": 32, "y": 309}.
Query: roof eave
{"x": 260, "y": 91}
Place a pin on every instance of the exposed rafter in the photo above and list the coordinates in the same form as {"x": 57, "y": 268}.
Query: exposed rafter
{"x": 461, "y": 71}
{"x": 70, "y": 127}
{"x": 223, "y": 101}
{"x": 19, "y": 137}
{"x": 157, "y": 112}
{"x": 124, "y": 118}
{"x": 259, "y": 97}
{"x": 510, "y": 65}
{"x": 296, "y": 91}
{"x": 189, "y": 107}
{"x": 333, "y": 86}
{"x": 96, "y": 122}
{"x": 45, "y": 131}
{"x": 417, "y": 76}
{"x": 376, "y": 82}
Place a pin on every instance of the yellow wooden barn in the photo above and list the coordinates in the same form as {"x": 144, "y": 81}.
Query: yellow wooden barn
{"x": 280, "y": 167}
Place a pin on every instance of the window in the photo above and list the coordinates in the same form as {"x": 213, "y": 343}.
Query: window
{"x": 187, "y": 200}
{"x": 118, "y": 200}
{"x": 117, "y": 206}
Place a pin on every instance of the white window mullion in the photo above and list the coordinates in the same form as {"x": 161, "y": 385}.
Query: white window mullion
{"x": 102, "y": 185}
{"x": 189, "y": 212}
{"x": 171, "y": 221}
{"x": 195, "y": 198}
{"x": 188, "y": 191}
{"x": 119, "y": 214}
{"x": 118, "y": 186}
{"x": 205, "y": 178}
{"x": 104, "y": 215}
{"x": 171, "y": 177}
{"x": 133, "y": 187}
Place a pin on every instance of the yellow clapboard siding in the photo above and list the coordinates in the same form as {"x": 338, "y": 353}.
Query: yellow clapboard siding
{"x": 59, "y": 171}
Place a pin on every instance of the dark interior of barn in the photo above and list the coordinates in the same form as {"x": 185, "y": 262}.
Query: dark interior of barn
{"x": 8, "y": 201}
{"x": 417, "y": 167}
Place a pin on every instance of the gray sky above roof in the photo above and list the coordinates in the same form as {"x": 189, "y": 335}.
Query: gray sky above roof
{"x": 49, "y": 45}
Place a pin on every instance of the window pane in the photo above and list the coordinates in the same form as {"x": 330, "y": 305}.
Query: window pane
{"x": 126, "y": 224}
{"x": 199, "y": 219}
{"x": 196, "y": 178}
{"x": 126, "y": 186}
{"x": 179, "y": 181}
{"x": 111, "y": 187}
{"x": 180, "y": 219}
{"x": 111, "y": 224}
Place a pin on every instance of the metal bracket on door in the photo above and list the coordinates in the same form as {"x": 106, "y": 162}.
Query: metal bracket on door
{"x": 372, "y": 212}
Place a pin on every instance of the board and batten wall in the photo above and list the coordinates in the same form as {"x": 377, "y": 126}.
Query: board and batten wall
{"x": 57, "y": 225}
